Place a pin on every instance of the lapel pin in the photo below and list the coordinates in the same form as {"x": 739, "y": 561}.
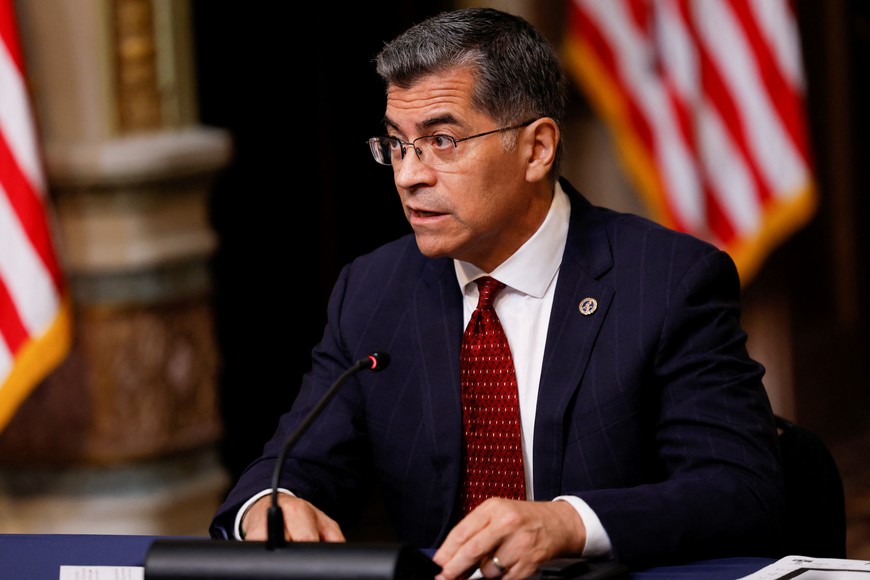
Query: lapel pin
{"x": 588, "y": 306}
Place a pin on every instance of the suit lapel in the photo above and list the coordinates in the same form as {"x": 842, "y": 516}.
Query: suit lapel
{"x": 438, "y": 309}
{"x": 571, "y": 336}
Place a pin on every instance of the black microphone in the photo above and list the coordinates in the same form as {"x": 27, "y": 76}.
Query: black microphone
{"x": 376, "y": 361}
{"x": 276, "y": 559}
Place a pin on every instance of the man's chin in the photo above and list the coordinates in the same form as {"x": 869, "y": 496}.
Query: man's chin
{"x": 431, "y": 248}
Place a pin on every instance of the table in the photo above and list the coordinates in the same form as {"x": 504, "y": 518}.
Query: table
{"x": 720, "y": 569}
{"x": 39, "y": 557}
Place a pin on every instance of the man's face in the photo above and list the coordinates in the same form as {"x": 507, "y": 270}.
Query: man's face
{"x": 480, "y": 207}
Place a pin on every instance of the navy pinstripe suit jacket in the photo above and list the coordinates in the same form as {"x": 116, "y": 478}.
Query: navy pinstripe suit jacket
{"x": 650, "y": 409}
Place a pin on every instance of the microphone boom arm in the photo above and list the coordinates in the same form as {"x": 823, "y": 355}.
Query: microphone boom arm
{"x": 275, "y": 517}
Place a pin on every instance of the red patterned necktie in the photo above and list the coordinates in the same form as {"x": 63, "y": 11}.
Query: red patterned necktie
{"x": 490, "y": 408}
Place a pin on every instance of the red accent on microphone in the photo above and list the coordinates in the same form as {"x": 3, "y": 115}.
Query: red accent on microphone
{"x": 379, "y": 361}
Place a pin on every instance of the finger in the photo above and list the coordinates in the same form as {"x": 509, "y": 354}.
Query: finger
{"x": 493, "y": 567}
{"x": 503, "y": 567}
{"x": 458, "y": 537}
{"x": 305, "y": 523}
{"x": 255, "y": 530}
{"x": 329, "y": 529}
{"x": 472, "y": 540}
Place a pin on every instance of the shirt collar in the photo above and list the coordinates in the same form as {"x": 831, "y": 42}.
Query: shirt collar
{"x": 534, "y": 265}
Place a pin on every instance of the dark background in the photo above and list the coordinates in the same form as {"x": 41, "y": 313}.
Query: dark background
{"x": 298, "y": 93}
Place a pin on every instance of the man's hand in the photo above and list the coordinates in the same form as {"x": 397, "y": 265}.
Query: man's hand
{"x": 518, "y": 535}
{"x": 302, "y": 521}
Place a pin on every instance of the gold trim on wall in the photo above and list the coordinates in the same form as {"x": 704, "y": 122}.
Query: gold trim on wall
{"x": 137, "y": 91}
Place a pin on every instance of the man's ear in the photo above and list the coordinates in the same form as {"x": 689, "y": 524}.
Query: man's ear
{"x": 543, "y": 136}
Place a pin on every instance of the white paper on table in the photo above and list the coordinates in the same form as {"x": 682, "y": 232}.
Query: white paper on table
{"x": 102, "y": 573}
{"x": 805, "y": 568}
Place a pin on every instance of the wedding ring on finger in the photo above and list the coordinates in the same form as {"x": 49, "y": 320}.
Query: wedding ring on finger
{"x": 502, "y": 569}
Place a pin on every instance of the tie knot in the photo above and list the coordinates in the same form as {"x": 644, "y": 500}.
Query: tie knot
{"x": 489, "y": 288}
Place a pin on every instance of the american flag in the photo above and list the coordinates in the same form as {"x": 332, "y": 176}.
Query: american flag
{"x": 705, "y": 99}
{"x": 35, "y": 325}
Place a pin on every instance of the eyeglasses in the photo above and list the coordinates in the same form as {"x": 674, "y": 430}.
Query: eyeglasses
{"x": 431, "y": 149}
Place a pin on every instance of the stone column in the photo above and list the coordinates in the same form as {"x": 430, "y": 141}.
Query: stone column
{"x": 125, "y": 430}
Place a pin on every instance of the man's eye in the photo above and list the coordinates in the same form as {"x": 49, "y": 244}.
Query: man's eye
{"x": 441, "y": 141}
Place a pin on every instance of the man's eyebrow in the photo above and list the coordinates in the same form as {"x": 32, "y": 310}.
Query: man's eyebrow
{"x": 446, "y": 119}
{"x": 389, "y": 124}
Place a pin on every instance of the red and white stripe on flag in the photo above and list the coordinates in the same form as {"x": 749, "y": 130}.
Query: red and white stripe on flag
{"x": 35, "y": 325}
{"x": 705, "y": 99}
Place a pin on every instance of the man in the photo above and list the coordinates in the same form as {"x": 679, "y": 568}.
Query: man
{"x": 646, "y": 433}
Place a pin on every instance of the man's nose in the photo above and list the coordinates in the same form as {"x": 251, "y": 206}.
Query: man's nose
{"x": 410, "y": 171}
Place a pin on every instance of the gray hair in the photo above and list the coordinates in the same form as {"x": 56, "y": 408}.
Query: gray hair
{"x": 517, "y": 72}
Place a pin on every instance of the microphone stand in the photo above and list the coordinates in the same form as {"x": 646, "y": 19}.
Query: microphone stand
{"x": 275, "y": 516}
{"x": 201, "y": 559}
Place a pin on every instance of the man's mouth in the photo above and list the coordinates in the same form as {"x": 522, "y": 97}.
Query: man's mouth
{"x": 421, "y": 213}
